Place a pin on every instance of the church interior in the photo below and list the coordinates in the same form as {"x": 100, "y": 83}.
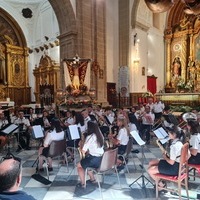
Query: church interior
{"x": 69, "y": 55}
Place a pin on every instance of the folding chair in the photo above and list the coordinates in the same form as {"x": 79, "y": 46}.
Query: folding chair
{"x": 181, "y": 179}
{"x": 108, "y": 162}
{"x": 56, "y": 150}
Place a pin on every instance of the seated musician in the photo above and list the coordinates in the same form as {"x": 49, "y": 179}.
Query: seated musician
{"x": 168, "y": 165}
{"x": 194, "y": 129}
{"x": 32, "y": 116}
{"x": 24, "y": 130}
{"x": 46, "y": 120}
{"x": 69, "y": 120}
{"x": 55, "y": 135}
{"x": 79, "y": 121}
{"x": 121, "y": 140}
{"x": 3, "y": 123}
{"x": 86, "y": 117}
{"x": 93, "y": 145}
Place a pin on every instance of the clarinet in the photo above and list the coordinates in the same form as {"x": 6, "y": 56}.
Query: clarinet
{"x": 162, "y": 148}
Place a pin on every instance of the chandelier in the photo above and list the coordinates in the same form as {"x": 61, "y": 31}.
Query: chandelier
{"x": 159, "y": 6}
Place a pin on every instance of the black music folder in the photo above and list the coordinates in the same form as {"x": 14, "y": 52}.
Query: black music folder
{"x": 8, "y": 129}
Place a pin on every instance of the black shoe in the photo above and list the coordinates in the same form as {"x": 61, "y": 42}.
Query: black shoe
{"x": 120, "y": 168}
{"x": 28, "y": 148}
{"x": 135, "y": 151}
{"x": 19, "y": 149}
{"x": 50, "y": 169}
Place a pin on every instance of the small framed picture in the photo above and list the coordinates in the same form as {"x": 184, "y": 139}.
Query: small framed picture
{"x": 143, "y": 71}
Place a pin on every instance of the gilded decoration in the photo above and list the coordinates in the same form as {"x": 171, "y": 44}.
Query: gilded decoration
{"x": 183, "y": 52}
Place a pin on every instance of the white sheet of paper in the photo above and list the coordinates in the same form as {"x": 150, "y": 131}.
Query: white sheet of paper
{"x": 37, "y": 130}
{"x": 74, "y": 132}
{"x": 137, "y": 138}
{"x": 162, "y": 135}
{"x": 10, "y": 129}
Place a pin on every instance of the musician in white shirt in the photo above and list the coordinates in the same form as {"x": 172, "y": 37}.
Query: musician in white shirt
{"x": 158, "y": 108}
{"x": 24, "y": 130}
{"x": 147, "y": 122}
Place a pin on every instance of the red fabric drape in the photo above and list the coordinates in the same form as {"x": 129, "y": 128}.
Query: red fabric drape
{"x": 151, "y": 84}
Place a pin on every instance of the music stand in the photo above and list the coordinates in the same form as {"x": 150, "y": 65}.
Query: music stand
{"x": 73, "y": 133}
{"x": 37, "y": 133}
{"x": 7, "y": 130}
{"x": 142, "y": 176}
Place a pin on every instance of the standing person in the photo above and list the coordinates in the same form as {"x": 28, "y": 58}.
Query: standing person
{"x": 93, "y": 148}
{"x": 10, "y": 180}
{"x": 158, "y": 108}
{"x": 147, "y": 123}
{"x": 56, "y": 134}
{"x": 168, "y": 165}
{"x": 193, "y": 127}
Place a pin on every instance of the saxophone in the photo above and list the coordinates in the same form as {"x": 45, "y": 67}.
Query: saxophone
{"x": 161, "y": 147}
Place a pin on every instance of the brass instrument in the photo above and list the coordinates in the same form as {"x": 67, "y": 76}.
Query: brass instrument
{"x": 161, "y": 147}
{"x": 187, "y": 117}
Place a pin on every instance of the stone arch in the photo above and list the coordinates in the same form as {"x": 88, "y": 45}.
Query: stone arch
{"x": 134, "y": 13}
{"x": 9, "y": 28}
{"x": 65, "y": 15}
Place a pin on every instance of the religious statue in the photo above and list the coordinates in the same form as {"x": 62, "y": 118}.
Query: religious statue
{"x": 176, "y": 67}
{"x": 191, "y": 70}
{"x": 3, "y": 78}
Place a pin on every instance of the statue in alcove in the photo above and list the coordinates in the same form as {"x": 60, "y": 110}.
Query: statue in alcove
{"x": 176, "y": 71}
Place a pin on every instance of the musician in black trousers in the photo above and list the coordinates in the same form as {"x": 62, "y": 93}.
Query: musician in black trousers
{"x": 23, "y": 130}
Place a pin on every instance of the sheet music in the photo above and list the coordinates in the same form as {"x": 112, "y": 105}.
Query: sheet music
{"x": 74, "y": 133}
{"x": 162, "y": 135}
{"x": 37, "y": 130}
{"x": 10, "y": 129}
{"x": 137, "y": 138}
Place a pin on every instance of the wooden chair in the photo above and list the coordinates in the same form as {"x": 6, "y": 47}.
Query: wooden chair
{"x": 108, "y": 162}
{"x": 56, "y": 150}
{"x": 181, "y": 179}
{"x": 194, "y": 168}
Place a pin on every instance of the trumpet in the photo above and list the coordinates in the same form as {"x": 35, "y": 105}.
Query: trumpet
{"x": 162, "y": 148}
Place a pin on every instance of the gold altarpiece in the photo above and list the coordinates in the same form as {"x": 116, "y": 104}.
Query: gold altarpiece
{"x": 47, "y": 80}
{"x": 14, "y": 73}
{"x": 183, "y": 54}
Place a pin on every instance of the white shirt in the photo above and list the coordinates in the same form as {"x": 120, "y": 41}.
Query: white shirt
{"x": 24, "y": 121}
{"x": 123, "y": 136}
{"x": 175, "y": 150}
{"x": 53, "y": 136}
{"x": 132, "y": 127}
{"x": 195, "y": 142}
{"x": 86, "y": 120}
{"x": 158, "y": 107}
{"x": 92, "y": 146}
{"x": 148, "y": 118}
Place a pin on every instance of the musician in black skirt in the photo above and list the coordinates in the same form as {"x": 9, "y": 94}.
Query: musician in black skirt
{"x": 193, "y": 127}
{"x": 93, "y": 145}
{"x": 168, "y": 165}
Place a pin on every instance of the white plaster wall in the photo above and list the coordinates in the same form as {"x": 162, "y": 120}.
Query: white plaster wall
{"x": 112, "y": 38}
{"x": 43, "y": 23}
{"x": 150, "y": 50}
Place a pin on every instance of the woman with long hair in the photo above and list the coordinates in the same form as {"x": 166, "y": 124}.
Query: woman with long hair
{"x": 55, "y": 134}
{"x": 168, "y": 165}
{"x": 193, "y": 127}
{"x": 93, "y": 149}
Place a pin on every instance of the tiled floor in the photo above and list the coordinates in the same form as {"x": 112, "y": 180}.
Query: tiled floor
{"x": 64, "y": 181}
